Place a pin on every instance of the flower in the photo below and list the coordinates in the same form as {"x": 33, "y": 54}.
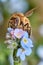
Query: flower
{"x": 13, "y": 45}
{"x": 7, "y": 36}
{"x": 9, "y": 29}
{"x": 12, "y": 34}
{"x": 25, "y": 34}
{"x": 22, "y": 53}
{"x": 19, "y": 39}
{"x": 26, "y": 43}
{"x": 8, "y": 41}
{"x": 18, "y": 33}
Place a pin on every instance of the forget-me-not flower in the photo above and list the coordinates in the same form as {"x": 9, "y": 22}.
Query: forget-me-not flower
{"x": 18, "y": 33}
{"x": 23, "y": 46}
{"x": 26, "y": 34}
{"x": 26, "y": 43}
{"x": 12, "y": 45}
{"x": 22, "y": 53}
{"x": 9, "y": 29}
{"x": 12, "y": 34}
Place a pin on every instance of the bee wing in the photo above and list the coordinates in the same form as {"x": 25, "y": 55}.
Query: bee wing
{"x": 29, "y": 13}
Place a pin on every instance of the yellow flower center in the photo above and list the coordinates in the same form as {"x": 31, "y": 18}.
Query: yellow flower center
{"x": 25, "y": 40}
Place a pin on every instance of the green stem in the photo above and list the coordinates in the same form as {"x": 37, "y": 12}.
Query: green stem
{"x": 11, "y": 57}
{"x": 17, "y": 63}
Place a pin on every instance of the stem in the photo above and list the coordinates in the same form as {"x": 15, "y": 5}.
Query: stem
{"x": 13, "y": 62}
{"x": 11, "y": 58}
{"x": 20, "y": 63}
{"x": 17, "y": 63}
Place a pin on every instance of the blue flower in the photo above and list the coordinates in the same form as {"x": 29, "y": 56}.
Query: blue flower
{"x": 26, "y": 43}
{"x": 28, "y": 52}
{"x": 22, "y": 53}
{"x": 25, "y": 34}
{"x": 9, "y": 29}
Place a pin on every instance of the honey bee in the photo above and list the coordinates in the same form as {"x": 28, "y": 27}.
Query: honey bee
{"x": 20, "y": 20}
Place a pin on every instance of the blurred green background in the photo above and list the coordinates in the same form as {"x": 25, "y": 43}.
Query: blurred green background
{"x": 7, "y": 7}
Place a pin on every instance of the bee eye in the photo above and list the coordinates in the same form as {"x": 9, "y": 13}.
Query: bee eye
{"x": 16, "y": 21}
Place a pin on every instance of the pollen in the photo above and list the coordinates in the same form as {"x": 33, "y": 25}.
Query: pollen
{"x": 25, "y": 40}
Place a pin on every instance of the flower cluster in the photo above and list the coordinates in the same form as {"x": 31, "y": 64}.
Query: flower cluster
{"x": 19, "y": 39}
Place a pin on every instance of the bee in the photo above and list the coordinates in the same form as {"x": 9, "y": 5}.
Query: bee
{"x": 20, "y": 20}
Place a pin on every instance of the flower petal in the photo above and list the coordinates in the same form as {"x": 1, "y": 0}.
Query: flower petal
{"x": 26, "y": 43}
{"x": 28, "y": 51}
{"x": 25, "y": 34}
{"x": 9, "y": 29}
{"x": 18, "y": 52}
{"x": 8, "y": 36}
{"x": 22, "y": 56}
{"x": 18, "y": 33}
{"x": 30, "y": 43}
{"x": 23, "y": 45}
